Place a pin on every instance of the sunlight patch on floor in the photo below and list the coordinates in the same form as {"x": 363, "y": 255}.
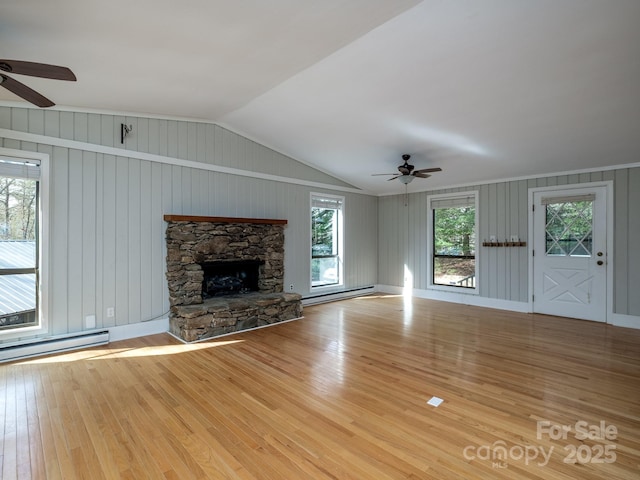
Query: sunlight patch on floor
{"x": 109, "y": 353}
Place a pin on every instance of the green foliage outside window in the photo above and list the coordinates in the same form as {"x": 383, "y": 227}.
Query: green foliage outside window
{"x": 454, "y": 231}
{"x": 324, "y": 246}
{"x": 454, "y": 238}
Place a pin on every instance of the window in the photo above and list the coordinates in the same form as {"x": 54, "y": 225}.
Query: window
{"x": 453, "y": 228}
{"x": 326, "y": 240}
{"x": 19, "y": 237}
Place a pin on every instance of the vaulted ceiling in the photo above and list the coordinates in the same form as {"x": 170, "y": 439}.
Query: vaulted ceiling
{"x": 484, "y": 89}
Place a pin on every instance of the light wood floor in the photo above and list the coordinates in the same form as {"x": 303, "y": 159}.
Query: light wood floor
{"x": 340, "y": 394}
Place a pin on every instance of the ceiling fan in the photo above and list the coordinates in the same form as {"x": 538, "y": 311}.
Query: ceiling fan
{"x": 32, "y": 69}
{"x": 407, "y": 172}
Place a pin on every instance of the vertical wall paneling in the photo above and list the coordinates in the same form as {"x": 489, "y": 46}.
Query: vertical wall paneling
{"x": 20, "y": 120}
{"x": 108, "y": 260}
{"x": 523, "y": 253}
{"x": 142, "y": 134}
{"x": 122, "y": 241}
{"x": 89, "y": 239}
{"x": 107, "y": 131}
{"x": 59, "y": 241}
{"x": 100, "y": 236}
{"x": 5, "y": 118}
{"x": 81, "y": 127}
{"x": 495, "y": 273}
{"x": 94, "y": 128}
{"x": 501, "y": 228}
{"x": 633, "y": 257}
{"x": 513, "y": 227}
{"x": 159, "y": 206}
{"x": 36, "y": 121}
{"x": 622, "y": 238}
{"x": 134, "y": 236}
{"x": 75, "y": 241}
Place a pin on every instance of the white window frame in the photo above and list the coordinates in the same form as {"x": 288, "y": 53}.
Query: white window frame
{"x": 339, "y": 243}
{"x": 43, "y": 245}
{"x": 439, "y": 198}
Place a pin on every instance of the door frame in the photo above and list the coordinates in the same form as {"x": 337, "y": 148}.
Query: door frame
{"x": 608, "y": 184}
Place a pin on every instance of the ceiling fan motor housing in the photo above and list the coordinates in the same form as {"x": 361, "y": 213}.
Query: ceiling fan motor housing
{"x": 406, "y": 169}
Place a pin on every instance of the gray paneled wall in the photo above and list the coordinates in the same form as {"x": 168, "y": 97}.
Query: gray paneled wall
{"x": 199, "y": 142}
{"x": 503, "y": 211}
{"x": 106, "y": 211}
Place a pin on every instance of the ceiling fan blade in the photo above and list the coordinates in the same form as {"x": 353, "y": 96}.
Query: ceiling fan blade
{"x": 379, "y": 174}
{"x": 393, "y": 178}
{"x": 34, "y": 69}
{"x": 428, "y": 170}
{"x": 421, "y": 175}
{"x": 25, "y": 92}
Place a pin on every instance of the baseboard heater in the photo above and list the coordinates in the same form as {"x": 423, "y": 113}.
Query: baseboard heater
{"x": 341, "y": 295}
{"x": 48, "y": 346}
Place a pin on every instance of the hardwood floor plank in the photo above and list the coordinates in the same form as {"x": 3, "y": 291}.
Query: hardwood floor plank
{"x": 340, "y": 394}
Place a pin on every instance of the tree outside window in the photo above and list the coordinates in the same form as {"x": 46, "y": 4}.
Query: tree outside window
{"x": 454, "y": 242}
{"x": 326, "y": 226}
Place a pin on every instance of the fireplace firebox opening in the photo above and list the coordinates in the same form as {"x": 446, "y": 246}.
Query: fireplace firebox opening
{"x": 230, "y": 277}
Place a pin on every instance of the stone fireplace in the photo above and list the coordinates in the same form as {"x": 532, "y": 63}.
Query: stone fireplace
{"x": 226, "y": 275}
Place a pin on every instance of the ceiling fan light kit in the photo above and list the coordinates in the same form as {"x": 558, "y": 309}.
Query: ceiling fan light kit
{"x": 406, "y": 179}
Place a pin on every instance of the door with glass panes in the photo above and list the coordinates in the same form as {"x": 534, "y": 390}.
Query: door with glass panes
{"x": 570, "y": 257}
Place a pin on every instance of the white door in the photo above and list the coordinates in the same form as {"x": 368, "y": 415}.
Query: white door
{"x": 570, "y": 257}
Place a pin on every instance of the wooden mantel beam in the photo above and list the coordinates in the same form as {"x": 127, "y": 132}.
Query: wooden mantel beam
{"x": 197, "y": 218}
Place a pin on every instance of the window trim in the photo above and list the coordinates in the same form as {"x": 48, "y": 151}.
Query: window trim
{"x": 431, "y": 199}
{"x": 43, "y": 245}
{"x": 340, "y": 242}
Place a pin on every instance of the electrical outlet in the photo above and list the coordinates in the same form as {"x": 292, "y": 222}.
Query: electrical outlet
{"x": 111, "y": 312}
{"x": 291, "y": 287}
{"x": 90, "y": 321}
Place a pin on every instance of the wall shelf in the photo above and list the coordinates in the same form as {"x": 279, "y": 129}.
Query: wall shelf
{"x": 504, "y": 244}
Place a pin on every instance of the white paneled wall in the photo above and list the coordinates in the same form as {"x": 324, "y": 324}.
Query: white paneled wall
{"x": 503, "y": 272}
{"x": 106, "y": 211}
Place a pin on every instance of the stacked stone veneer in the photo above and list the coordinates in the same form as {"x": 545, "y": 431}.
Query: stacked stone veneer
{"x": 192, "y": 241}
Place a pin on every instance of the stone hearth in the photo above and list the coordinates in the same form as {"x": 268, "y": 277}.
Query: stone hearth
{"x": 196, "y": 241}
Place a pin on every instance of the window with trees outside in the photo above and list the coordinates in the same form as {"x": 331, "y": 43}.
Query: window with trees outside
{"x": 19, "y": 197}
{"x": 453, "y": 225}
{"x": 326, "y": 240}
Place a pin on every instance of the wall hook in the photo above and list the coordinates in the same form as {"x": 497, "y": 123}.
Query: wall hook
{"x": 124, "y": 131}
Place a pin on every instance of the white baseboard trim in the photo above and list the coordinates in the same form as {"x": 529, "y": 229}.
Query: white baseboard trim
{"x": 52, "y": 345}
{"x": 333, "y": 296}
{"x": 460, "y": 298}
{"x": 140, "y": 329}
{"x": 621, "y": 320}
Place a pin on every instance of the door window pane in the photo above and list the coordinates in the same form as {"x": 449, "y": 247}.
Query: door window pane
{"x": 569, "y": 228}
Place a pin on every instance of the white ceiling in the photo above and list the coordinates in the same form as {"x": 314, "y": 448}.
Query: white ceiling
{"x": 484, "y": 89}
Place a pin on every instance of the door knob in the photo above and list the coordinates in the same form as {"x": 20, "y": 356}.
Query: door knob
{"x": 600, "y": 262}
{"x": 599, "y": 254}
